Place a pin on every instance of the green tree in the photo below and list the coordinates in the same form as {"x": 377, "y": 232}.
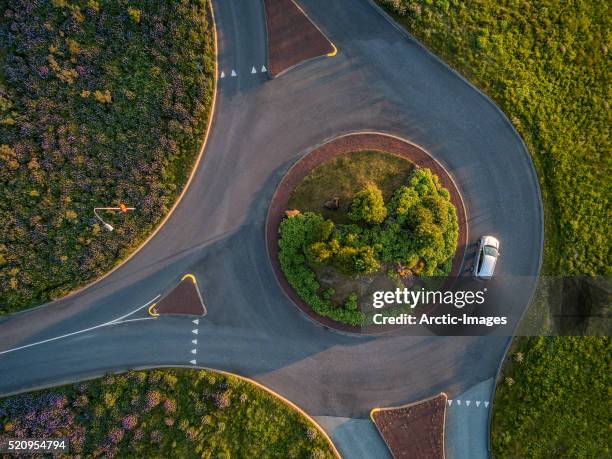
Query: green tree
{"x": 368, "y": 205}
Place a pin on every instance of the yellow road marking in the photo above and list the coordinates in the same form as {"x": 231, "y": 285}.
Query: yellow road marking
{"x": 334, "y": 52}
{"x": 151, "y": 312}
{"x": 189, "y": 276}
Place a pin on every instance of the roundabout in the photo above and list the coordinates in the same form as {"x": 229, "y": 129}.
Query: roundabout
{"x": 345, "y": 147}
{"x": 380, "y": 80}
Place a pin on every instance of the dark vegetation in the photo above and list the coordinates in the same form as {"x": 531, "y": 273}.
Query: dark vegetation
{"x": 100, "y": 102}
{"x": 416, "y": 231}
{"x": 165, "y": 413}
{"x": 546, "y": 64}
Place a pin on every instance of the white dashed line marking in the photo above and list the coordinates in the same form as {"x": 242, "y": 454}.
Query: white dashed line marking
{"x": 234, "y": 73}
{"x": 467, "y": 403}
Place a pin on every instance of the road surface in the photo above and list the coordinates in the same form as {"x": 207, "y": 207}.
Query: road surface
{"x": 380, "y": 80}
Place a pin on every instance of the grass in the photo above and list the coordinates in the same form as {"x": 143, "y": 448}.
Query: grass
{"x": 165, "y": 413}
{"x": 100, "y": 103}
{"x": 346, "y": 175}
{"x": 554, "y": 399}
{"x": 546, "y": 64}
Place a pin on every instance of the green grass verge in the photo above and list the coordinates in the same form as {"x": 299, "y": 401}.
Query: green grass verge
{"x": 546, "y": 64}
{"x": 165, "y": 413}
{"x": 99, "y": 103}
{"x": 554, "y": 399}
{"x": 346, "y": 175}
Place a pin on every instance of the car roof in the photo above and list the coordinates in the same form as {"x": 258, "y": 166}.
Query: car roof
{"x": 488, "y": 266}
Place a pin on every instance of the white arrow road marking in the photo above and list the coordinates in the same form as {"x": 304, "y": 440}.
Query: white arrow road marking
{"x": 253, "y": 70}
{"x": 197, "y": 321}
{"x": 263, "y": 68}
{"x": 193, "y": 362}
{"x": 467, "y": 402}
{"x": 222, "y": 74}
{"x": 450, "y": 402}
{"x": 486, "y": 404}
{"x": 194, "y": 341}
{"x": 194, "y": 331}
{"x": 194, "y": 351}
{"x": 234, "y": 73}
{"x": 477, "y": 403}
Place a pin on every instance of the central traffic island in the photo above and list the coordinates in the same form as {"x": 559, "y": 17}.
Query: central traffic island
{"x": 360, "y": 215}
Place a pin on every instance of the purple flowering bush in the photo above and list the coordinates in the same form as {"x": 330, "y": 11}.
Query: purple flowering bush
{"x": 212, "y": 416}
{"x": 100, "y": 103}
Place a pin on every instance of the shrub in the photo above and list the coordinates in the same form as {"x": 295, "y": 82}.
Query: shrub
{"x": 368, "y": 206}
{"x": 420, "y": 232}
{"x": 351, "y": 303}
{"x": 297, "y": 233}
{"x": 134, "y": 13}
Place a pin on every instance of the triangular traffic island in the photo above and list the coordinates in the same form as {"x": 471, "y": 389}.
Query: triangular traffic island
{"x": 184, "y": 299}
{"x": 292, "y": 37}
{"x": 414, "y": 430}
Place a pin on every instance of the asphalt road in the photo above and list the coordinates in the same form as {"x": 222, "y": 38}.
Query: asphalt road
{"x": 380, "y": 80}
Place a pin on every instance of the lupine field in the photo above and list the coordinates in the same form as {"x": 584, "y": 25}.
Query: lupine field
{"x": 164, "y": 413}
{"x": 101, "y": 102}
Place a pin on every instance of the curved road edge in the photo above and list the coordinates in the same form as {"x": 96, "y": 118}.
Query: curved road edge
{"x": 534, "y": 174}
{"x": 275, "y": 394}
{"x": 177, "y": 201}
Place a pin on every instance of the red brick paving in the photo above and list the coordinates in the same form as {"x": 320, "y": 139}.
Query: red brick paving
{"x": 292, "y": 36}
{"x": 414, "y": 431}
{"x": 337, "y": 147}
{"x": 182, "y": 299}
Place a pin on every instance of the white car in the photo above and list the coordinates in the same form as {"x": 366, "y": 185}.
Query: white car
{"x": 486, "y": 257}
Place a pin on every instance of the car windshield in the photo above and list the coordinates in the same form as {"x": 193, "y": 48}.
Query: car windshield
{"x": 490, "y": 250}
